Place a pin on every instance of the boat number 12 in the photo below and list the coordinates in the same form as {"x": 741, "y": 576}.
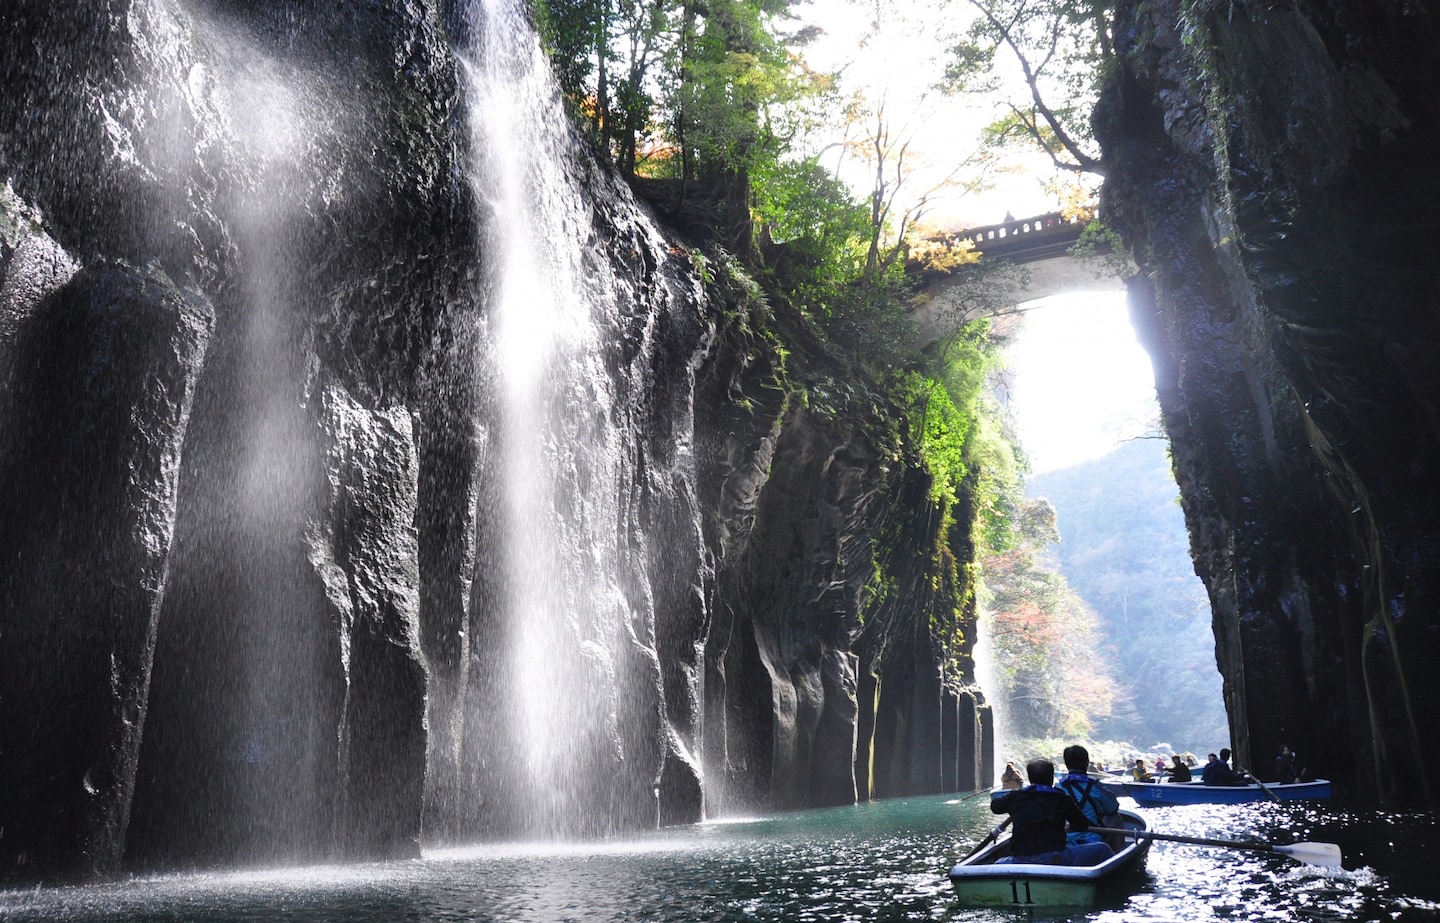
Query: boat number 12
{"x": 1016, "y": 887}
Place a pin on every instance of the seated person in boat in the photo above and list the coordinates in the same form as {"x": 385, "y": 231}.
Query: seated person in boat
{"x": 1159, "y": 765}
{"x": 1139, "y": 772}
{"x": 1010, "y": 779}
{"x": 1098, "y": 805}
{"x": 1040, "y": 812}
{"x": 1179, "y": 772}
{"x": 1218, "y": 772}
{"x": 1241, "y": 772}
{"x": 1287, "y": 767}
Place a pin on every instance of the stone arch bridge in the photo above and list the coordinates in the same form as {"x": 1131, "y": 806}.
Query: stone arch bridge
{"x": 1041, "y": 243}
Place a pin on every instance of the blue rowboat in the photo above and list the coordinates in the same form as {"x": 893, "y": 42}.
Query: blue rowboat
{"x": 1161, "y": 794}
{"x": 979, "y": 882}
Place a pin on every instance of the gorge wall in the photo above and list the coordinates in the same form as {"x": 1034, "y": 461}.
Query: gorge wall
{"x": 257, "y": 551}
{"x": 1272, "y": 165}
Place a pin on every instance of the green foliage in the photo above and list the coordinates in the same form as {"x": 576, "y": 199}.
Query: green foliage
{"x": 968, "y": 360}
{"x": 678, "y": 87}
{"x": 1101, "y": 248}
{"x": 732, "y": 67}
{"x": 869, "y": 318}
{"x": 1063, "y": 51}
{"x": 633, "y": 39}
{"x": 815, "y": 231}
{"x": 939, "y": 429}
{"x": 946, "y": 409}
{"x": 741, "y": 290}
{"x": 714, "y": 94}
{"x": 815, "y": 239}
{"x": 571, "y": 30}
{"x": 971, "y": 68}
{"x": 999, "y": 482}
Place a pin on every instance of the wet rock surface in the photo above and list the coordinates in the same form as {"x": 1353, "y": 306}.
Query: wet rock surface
{"x": 249, "y": 544}
{"x": 1272, "y": 167}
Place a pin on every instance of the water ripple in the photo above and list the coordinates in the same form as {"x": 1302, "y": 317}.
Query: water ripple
{"x": 879, "y": 862}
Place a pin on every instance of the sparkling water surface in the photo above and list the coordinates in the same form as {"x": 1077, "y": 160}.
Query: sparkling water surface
{"x": 881, "y": 861}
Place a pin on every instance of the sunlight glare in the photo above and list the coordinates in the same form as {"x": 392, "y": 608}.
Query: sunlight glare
{"x": 1080, "y": 383}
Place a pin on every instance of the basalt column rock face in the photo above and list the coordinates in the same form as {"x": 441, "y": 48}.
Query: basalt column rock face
{"x": 257, "y": 523}
{"x": 789, "y": 613}
{"x": 1273, "y": 167}
{"x": 828, "y": 677}
{"x": 97, "y": 393}
{"x": 219, "y": 314}
{"x": 251, "y": 541}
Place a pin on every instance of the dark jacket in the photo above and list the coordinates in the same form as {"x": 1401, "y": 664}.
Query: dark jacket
{"x": 1179, "y": 772}
{"x": 1217, "y": 773}
{"x": 1039, "y": 813}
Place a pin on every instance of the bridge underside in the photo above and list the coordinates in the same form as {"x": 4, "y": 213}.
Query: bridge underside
{"x": 945, "y": 300}
{"x": 1037, "y": 248}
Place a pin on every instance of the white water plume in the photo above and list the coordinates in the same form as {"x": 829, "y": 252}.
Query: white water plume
{"x": 986, "y": 677}
{"x": 558, "y": 439}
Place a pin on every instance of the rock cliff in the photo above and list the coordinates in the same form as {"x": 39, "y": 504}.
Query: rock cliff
{"x": 1272, "y": 165}
{"x": 252, "y": 551}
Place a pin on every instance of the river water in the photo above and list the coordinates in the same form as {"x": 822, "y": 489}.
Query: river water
{"x": 881, "y": 861}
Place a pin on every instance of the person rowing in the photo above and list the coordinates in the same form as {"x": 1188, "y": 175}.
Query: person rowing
{"x": 1218, "y": 771}
{"x": 1040, "y": 812}
{"x": 1286, "y": 767}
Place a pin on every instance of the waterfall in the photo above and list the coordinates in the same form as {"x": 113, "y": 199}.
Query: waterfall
{"x": 346, "y": 434}
{"x": 986, "y": 678}
{"x": 560, "y": 609}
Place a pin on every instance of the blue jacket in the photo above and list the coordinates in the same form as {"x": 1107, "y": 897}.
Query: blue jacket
{"x": 1092, "y": 799}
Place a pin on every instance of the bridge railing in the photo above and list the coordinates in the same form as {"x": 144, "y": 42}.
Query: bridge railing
{"x": 1020, "y": 240}
{"x": 1014, "y": 237}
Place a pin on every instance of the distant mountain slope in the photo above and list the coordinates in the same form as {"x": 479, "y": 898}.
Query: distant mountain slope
{"x": 1124, "y": 549}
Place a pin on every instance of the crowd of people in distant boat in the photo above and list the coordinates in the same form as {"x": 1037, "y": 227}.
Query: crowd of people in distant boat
{"x": 1052, "y": 821}
{"x": 1216, "y": 771}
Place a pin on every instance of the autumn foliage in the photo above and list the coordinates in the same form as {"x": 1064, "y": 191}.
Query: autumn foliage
{"x": 1054, "y": 680}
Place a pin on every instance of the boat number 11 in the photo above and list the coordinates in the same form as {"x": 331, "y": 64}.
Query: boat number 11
{"x": 1016, "y": 887}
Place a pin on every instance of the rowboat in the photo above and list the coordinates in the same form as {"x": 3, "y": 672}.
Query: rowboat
{"x": 979, "y": 882}
{"x": 1161, "y": 794}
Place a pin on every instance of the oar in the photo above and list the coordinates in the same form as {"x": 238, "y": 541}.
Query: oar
{"x": 1327, "y": 854}
{"x": 983, "y": 791}
{"x": 988, "y": 840}
{"x": 1273, "y": 796}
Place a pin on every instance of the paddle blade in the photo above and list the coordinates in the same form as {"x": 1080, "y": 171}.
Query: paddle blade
{"x": 1326, "y": 854}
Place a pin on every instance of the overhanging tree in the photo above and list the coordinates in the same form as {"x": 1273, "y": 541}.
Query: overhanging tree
{"x": 1063, "y": 50}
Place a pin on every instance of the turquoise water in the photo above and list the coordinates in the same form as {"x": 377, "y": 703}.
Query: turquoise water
{"x": 882, "y": 861}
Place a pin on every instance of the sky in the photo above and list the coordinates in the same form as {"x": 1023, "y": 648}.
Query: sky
{"x": 899, "y": 64}
{"x": 1079, "y": 382}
